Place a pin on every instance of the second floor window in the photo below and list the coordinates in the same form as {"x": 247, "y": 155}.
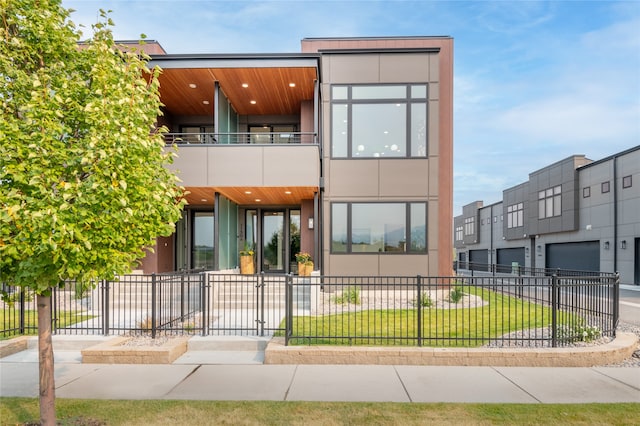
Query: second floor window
{"x": 515, "y": 215}
{"x": 459, "y": 233}
{"x": 469, "y": 226}
{"x": 550, "y": 202}
{"x": 379, "y": 121}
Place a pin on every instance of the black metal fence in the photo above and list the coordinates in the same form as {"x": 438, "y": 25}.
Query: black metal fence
{"x": 493, "y": 310}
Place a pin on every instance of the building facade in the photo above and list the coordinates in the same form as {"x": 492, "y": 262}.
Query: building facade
{"x": 343, "y": 151}
{"x": 574, "y": 214}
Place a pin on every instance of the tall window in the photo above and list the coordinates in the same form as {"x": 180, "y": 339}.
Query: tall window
{"x": 515, "y": 215}
{"x": 379, "y": 227}
{"x": 469, "y": 226}
{"x": 459, "y": 233}
{"x": 550, "y": 202}
{"x": 379, "y": 121}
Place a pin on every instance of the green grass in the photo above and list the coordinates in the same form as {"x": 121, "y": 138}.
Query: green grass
{"x": 63, "y": 319}
{"x": 477, "y": 326}
{"x": 158, "y": 412}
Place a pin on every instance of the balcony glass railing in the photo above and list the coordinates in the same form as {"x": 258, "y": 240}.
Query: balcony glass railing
{"x": 240, "y": 138}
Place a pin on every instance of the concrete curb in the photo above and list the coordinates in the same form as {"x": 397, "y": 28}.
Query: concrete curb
{"x": 589, "y": 356}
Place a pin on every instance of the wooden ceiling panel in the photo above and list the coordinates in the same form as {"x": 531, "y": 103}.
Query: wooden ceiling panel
{"x": 181, "y": 99}
{"x": 268, "y": 87}
{"x": 249, "y": 196}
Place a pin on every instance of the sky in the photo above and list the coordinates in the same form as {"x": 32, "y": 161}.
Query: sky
{"x": 534, "y": 81}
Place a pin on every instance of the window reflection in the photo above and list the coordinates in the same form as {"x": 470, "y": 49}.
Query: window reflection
{"x": 378, "y": 227}
{"x": 378, "y": 121}
{"x": 377, "y": 230}
{"x": 379, "y": 130}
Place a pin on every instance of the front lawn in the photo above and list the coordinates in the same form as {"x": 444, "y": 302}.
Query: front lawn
{"x": 455, "y": 327}
{"x": 10, "y": 321}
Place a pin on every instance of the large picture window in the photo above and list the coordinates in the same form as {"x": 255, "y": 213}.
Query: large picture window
{"x": 379, "y": 227}
{"x": 550, "y": 202}
{"x": 379, "y": 121}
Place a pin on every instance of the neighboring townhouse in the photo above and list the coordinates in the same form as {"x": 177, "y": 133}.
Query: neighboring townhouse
{"x": 574, "y": 214}
{"x": 343, "y": 151}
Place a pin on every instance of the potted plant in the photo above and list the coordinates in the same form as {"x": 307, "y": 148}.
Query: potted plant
{"x": 246, "y": 260}
{"x": 303, "y": 260}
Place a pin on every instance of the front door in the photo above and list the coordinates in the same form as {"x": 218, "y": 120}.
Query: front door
{"x": 275, "y": 234}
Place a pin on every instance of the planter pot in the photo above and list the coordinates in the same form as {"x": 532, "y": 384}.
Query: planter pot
{"x": 246, "y": 265}
{"x": 305, "y": 269}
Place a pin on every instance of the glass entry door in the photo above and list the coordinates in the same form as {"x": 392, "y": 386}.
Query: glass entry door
{"x": 203, "y": 242}
{"x": 273, "y": 241}
{"x": 275, "y": 234}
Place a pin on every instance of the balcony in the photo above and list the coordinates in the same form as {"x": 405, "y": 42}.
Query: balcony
{"x": 242, "y": 165}
{"x": 262, "y": 138}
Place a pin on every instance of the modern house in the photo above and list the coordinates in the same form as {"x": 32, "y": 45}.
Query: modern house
{"x": 343, "y": 151}
{"x": 574, "y": 214}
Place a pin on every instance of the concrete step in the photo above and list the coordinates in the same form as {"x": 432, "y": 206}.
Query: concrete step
{"x": 228, "y": 343}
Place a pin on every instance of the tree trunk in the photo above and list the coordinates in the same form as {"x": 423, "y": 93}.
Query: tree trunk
{"x": 45, "y": 357}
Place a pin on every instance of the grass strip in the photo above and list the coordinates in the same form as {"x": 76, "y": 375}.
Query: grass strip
{"x": 161, "y": 412}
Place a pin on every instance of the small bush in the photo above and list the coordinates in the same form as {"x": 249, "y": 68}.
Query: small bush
{"x": 425, "y": 300}
{"x": 146, "y": 324}
{"x": 349, "y": 295}
{"x": 579, "y": 333}
{"x": 456, "y": 295}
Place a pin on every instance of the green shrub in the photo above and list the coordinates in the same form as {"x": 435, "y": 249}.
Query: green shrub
{"x": 579, "y": 332}
{"x": 349, "y": 295}
{"x": 456, "y": 295}
{"x": 425, "y": 300}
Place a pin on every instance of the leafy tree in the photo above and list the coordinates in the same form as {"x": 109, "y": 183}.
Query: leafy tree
{"x": 83, "y": 187}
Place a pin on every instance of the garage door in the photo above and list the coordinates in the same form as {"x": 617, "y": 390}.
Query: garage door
{"x": 478, "y": 260}
{"x": 506, "y": 256}
{"x": 583, "y": 256}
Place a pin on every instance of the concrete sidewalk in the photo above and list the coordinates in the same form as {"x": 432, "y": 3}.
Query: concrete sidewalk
{"x": 240, "y": 375}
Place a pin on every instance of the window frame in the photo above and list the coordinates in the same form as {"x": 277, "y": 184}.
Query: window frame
{"x": 605, "y": 187}
{"x": 407, "y": 231}
{"x": 408, "y": 101}
{"x": 586, "y": 192}
{"x": 469, "y": 225}
{"x": 515, "y": 215}
{"x": 460, "y": 233}
{"x": 550, "y": 202}
{"x": 627, "y": 181}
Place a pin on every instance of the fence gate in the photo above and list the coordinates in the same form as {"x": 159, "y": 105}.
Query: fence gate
{"x": 243, "y": 305}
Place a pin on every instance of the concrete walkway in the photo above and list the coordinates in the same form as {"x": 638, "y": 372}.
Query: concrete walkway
{"x": 240, "y": 375}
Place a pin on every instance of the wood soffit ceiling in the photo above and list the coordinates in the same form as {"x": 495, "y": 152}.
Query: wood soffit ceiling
{"x": 268, "y": 87}
{"x": 268, "y": 196}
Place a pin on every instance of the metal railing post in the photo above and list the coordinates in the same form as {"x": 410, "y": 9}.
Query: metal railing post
{"x": 260, "y": 290}
{"x": 22, "y": 310}
{"x": 616, "y": 303}
{"x": 105, "y": 307}
{"x": 288, "y": 306}
{"x": 419, "y": 325}
{"x": 153, "y": 306}
{"x": 182, "y": 297}
{"x": 204, "y": 302}
{"x": 54, "y": 309}
{"x": 554, "y": 311}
